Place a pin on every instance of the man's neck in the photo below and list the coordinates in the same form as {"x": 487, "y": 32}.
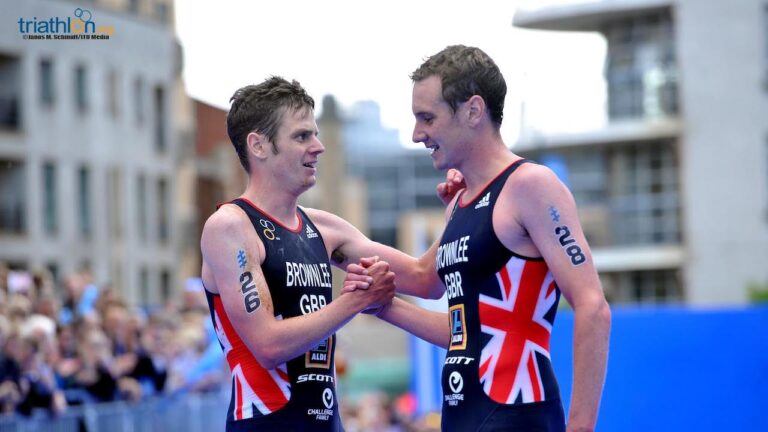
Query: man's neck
{"x": 276, "y": 202}
{"x": 484, "y": 163}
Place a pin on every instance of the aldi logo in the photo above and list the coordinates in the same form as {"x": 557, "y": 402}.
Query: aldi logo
{"x": 458, "y": 328}
{"x": 320, "y": 356}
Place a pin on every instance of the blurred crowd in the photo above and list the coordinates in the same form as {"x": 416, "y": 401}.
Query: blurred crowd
{"x": 83, "y": 343}
{"x": 377, "y": 412}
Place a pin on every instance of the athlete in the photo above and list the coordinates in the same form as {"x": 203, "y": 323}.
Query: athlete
{"x": 266, "y": 269}
{"x": 512, "y": 245}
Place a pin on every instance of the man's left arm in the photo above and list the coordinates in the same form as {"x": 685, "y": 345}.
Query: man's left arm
{"x": 347, "y": 245}
{"x": 551, "y": 220}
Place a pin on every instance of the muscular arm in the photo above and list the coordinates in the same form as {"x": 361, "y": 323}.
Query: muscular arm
{"x": 433, "y": 327}
{"x": 238, "y": 279}
{"x": 347, "y": 245}
{"x": 551, "y": 220}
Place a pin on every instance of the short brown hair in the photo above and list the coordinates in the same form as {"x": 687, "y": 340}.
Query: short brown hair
{"x": 465, "y": 72}
{"x": 260, "y": 108}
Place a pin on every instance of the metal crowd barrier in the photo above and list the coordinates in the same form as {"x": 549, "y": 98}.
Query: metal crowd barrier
{"x": 187, "y": 413}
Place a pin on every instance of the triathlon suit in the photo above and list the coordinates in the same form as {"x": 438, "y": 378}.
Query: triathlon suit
{"x": 299, "y": 395}
{"x": 497, "y": 374}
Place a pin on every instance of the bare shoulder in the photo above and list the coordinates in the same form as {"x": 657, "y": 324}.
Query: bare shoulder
{"x": 534, "y": 181}
{"x": 534, "y": 187}
{"x": 229, "y": 228}
{"x": 328, "y": 223}
{"x": 528, "y": 201}
{"x": 227, "y": 220}
{"x": 322, "y": 217}
{"x": 338, "y": 234}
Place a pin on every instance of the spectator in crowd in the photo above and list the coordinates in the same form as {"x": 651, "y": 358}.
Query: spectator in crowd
{"x": 80, "y": 297}
{"x": 37, "y": 384}
{"x": 93, "y": 347}
{"x": 90, "y": 378}
{"x": 205, "y": 366}
{"x": 10, "y": 374}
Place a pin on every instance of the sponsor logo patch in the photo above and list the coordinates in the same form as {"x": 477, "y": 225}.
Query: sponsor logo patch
{"x": 458, "y": 328}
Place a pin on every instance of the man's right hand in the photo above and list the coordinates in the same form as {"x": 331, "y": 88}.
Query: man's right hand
{"x": 454, "y": 182}
{"x": 380, "y": 289}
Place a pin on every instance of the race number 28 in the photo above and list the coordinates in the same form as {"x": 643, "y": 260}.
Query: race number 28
{"x": 569, "y": 245}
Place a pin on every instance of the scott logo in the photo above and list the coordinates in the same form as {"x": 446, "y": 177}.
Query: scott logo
{"x": 315, "y": 377}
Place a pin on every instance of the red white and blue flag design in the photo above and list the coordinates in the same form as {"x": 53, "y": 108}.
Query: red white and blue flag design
{"x": 257, "y": 391}
{"x": 518, "y": 323}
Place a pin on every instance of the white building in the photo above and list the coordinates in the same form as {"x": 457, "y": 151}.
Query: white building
{"x": 673, "y": 190}
{"x": 90, "y": 141}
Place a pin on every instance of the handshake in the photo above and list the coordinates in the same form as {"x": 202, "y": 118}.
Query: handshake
{"x": 372, "y": 283}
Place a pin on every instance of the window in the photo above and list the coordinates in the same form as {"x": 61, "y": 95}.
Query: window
{"x": 138, "y": 100}
{"x": 765, "y": 30}
{"x": 113, "y": 93}
{"x": 114, "y": 198}
{"x": 641, "y": 67}
{"x": 141, "y": 201}
{"x": 47, "y": 81}
{"x": 163, "y": 203}
{"x": 10, "y": 85}
{"x": 13, "y": 192}
{"x": 84, "y": 201}
{"x": 81, "y": 91}
{"x": 160, "y": 120}
{"x": 646, "y": 286}
{"x": 626, "y": 195}
{"x": 587, "y": 177}
{"x": 644, "y": 199}
{"x": 50, "y": 206}
{"x": 161, "y": 11}
{"x": 144, "y": 285}
{"x": 165, "y": 284}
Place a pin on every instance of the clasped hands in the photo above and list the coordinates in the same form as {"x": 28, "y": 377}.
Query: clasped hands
{"x": 373, "y": 282}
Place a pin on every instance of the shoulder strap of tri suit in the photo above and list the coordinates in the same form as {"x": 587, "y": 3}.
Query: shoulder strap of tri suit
{"x": 456, "y": 203}
{"x": 515, "y": 165}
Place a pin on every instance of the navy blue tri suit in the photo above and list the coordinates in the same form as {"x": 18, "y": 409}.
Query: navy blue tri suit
{"x": 497, "y": 374}
{"x": 299, "y": 395}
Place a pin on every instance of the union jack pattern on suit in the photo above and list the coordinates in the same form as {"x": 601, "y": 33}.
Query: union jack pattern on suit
{"x": 519, "y": 323}
{"x": 257, "y": 391}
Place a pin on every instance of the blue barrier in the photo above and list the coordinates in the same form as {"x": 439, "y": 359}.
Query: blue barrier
{"x": 188, "y": 412}
{"x": 669, "y": 369}
{"x": 678, "y": 369}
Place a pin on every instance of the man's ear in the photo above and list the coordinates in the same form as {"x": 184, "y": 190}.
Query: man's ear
{"x": 257, "y": 145}
{"x": 475, "y": 110}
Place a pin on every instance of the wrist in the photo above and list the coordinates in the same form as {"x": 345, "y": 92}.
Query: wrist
{"x": 377, "y": 310}
{"x": 356, "y": 301}
{"x": 384, "y": 309}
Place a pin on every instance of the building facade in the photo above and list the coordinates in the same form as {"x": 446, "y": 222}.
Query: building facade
{"x": 673, "y": 189}
{"x": 92, "y": 130}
